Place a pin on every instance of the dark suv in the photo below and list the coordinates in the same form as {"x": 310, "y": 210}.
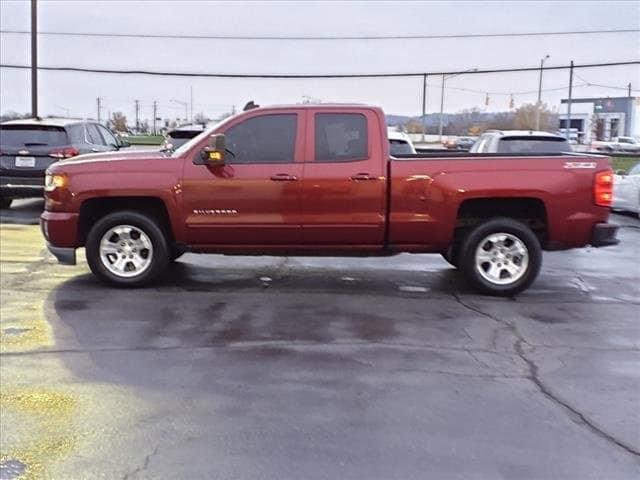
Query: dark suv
{"x": 29, "y": 146}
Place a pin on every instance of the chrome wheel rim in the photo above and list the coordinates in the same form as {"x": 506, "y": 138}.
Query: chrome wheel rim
{"x": 126, "y": 251}
{"x": 502, "y": 258}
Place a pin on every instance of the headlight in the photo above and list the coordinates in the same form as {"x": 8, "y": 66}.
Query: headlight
{"x": 53, "y": 181}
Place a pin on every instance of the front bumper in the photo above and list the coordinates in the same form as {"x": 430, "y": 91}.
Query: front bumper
{"x": 604, "y": 234}
{"x": 21, "y": 187}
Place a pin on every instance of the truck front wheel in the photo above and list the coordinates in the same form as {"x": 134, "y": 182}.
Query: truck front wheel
{"x": 501, "y": 257}
{"x": 127, "y": 249}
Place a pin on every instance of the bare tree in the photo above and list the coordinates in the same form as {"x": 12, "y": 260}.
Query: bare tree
{"x": 119, "y": 122}
{"x": 525, "y": 117}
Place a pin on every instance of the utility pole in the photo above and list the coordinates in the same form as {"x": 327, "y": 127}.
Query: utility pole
{"x": 539, "y": 104}
{"x": 441, "y": 108}
{"x": 155, "y": 114}
{"x": 568, "y": 129}
{"x": 34, "y": 58}
{"x": 99, "y": 107}
{"x": 137, "y": 116}
{"x": 191, "y": 103}
{"x": 424, "y": 105}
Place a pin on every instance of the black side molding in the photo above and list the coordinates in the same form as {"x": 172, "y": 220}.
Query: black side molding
{"x": 65, "y": 256}
{"x": 604, "y": 234}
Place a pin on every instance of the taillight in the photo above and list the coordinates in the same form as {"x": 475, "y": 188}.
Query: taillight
{"x": 603, "y": 188}
{"x": 66, "y": 152}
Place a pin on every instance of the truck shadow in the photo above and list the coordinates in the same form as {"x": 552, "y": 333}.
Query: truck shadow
{"x": 230, "y": 315}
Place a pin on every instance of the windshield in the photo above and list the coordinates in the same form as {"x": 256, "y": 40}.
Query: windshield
{"x": 400, "y": 147}
{"x": 31, "y": 135}
{"x": 530, "y": 144}
{"x": 182, "y": 149}
{"x": 635, "y": 170}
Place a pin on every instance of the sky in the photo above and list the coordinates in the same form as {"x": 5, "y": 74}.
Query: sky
{"x": 64, "y": 93}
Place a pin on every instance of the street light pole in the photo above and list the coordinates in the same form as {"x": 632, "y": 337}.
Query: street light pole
{"x": 539, "y": 104}
{"x": 186, "y": 108}
{"x": 441, "y": 108}
{"x": 424, "y": 105}
{"x": 445, "y": 77}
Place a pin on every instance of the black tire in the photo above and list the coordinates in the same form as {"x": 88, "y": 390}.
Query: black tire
{"x": 147, "y": 225}
{"x": 472, "y": 242}
{"x": 5, "y": 202}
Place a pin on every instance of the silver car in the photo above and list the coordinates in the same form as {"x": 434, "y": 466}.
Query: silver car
{"x": 626, "y": 191}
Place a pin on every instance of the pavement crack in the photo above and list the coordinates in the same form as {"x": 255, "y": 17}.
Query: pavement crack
{"x": 145, "y": 465}
{"x": 568, "y": 408}
{"x": 534, "y": 378}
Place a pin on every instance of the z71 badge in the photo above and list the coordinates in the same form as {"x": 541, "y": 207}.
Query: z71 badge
{"x": 215, "y": 211}
{"x": 569, "y": 165}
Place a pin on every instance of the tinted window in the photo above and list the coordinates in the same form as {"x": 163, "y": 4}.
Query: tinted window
{"x": 107, "y": 136}
{"x": 264, "y": 139}
{"x": 399, "y": 147}
{"x": 533, "y": 145}
{"x": 341, "y": 137}
{"x": 76, "y": 134}
{"x": 93, "y": 135}
{"x": 32, "y": 135}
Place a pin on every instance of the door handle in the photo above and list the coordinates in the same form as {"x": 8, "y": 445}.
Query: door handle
{"x": 95, "y": 149}
{"x": 283, "y": 177}
{"x": 363, "y": 176}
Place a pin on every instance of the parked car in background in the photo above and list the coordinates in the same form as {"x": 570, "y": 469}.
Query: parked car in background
{"x": 619, "y": 144}
{"x": 399, "y": 143}
{"x": 29, "y": 146}
{"x": 626, "y": 191}
{"x": 520, "y": 141}
{"x": 459, "y": 143}
{"x": 181, "y": 135}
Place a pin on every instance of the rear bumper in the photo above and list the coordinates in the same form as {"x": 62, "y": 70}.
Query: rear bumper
{"x": 604, "y": 234}
{"x": 22, "y": 187}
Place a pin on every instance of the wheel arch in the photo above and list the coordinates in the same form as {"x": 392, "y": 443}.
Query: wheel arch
{"x": 93, "y": 209}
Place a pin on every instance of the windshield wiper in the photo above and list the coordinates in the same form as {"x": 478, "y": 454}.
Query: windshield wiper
{"x": 34, "y": 144}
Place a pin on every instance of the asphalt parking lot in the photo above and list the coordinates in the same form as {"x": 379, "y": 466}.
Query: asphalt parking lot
{"x": 297, "y": 368}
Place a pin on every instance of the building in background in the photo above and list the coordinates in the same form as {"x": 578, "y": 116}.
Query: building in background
{"x": 602, "y": 118}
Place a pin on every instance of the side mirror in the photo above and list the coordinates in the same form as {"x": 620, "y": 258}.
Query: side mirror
{"x": 621, "y": 172}
{"x": 213, "y": 154}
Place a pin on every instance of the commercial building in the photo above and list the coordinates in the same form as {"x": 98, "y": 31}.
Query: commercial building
{"x": 602, "y": 118}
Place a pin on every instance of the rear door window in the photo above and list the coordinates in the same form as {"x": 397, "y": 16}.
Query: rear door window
{"x": 340, "y": 137}
{"x": 530, "y": 144}
{"x": 76, "y": 134}
{"x": 32, "y": 135}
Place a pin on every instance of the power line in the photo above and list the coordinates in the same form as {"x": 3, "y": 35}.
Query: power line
{"x": 310, "y": 76}
{"x": 590, "y": 84}
{"x": 323, "y": 38}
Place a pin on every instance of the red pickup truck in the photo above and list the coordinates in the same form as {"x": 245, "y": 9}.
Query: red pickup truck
{"x": 318, "y": 180}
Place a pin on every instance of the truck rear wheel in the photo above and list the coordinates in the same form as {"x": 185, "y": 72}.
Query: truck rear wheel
{"x": 501, "y": 257}
{"x": 127, "y": 249}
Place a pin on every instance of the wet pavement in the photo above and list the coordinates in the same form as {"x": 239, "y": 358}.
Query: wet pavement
{"x": 290, "y": 368}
